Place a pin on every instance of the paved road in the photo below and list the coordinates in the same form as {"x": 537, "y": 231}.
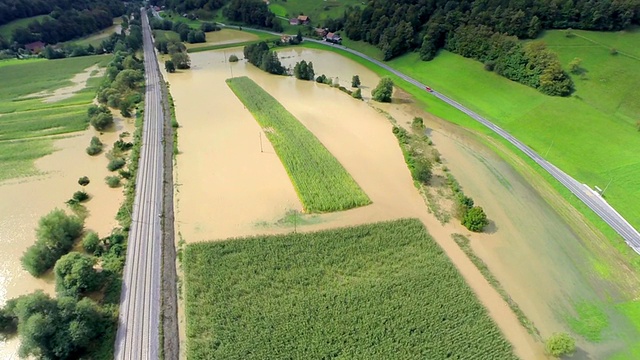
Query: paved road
{"x": 137, "y": 337}
{"x": 592, "y": 199}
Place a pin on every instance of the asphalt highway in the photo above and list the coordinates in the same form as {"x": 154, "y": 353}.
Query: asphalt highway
{"x": 138, "y": 323}
{"x": 591, "y": 198}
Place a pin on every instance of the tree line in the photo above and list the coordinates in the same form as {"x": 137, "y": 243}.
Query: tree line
{"x": 261, "y": 56}
{"x": 66, "y": 24}
{"x": 19, "y": 9}
{"x": 429, "y": 25}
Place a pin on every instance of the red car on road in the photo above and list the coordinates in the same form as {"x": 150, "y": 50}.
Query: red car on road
{"x": 428, "y": 89}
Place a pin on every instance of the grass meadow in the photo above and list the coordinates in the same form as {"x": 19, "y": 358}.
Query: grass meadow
{"x": 321, "y": 182}
{"x": 378, "y": 291}
{"x": 26, "y": 120}
{"x": 316, "y": 10}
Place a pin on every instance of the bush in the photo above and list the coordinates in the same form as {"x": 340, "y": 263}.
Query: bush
{"x": 421, "y": 170}
{"x": 75, "y": 275}
{"x": 112, "y": 181}
{"x": 355, "y": 81}
{"x": 560, "y": 344}
{"x": 91, "y": 243}
{"x": 116, "y": 164}
{"x": 382, "y": 92}
{"x": 83, "y": 181}
{"x": 233, "y": 58}
{"x": 95, "y": 146}
{"x": 125, "y": 174}
{"x": 475, "y": 219}
{"x": 102, "y": 121}
{"x": 357, "y": 94}
{"x": 417, "y": 123}
{"x": 121, "y": 145}
{"x": 55, "y": 235}
{"x": 80, "y": 196}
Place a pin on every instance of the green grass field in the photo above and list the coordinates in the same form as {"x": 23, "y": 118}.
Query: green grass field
{"x": 25, "y": 119}
{"x": 591, "y": 135}
{"x": 6, "y": 30}
{"x": 321, "y": 182}
{"x": 379, "y": 291}
{"x": 316, "y": 10}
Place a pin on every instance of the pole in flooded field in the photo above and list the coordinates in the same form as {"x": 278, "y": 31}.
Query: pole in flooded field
{"x": 260, "y": 134}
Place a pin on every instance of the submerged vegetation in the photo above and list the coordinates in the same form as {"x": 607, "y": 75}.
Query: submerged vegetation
{"x": 390, "y": 278}
{"x": 321, "y": 182}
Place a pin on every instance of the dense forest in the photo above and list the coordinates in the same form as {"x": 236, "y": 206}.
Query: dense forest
{"x": 396, "y": 26}
{"x": 66, "y": 20}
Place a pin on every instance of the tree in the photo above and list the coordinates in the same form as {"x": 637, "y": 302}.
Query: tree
{"x": 83, "y": 181}
{"x": 62, "y": 328}
{"x": 102, "y": 121}
{"x": 560, "y": 344}
{"x": 355, "y": 81}
{"x": 169, "y": 66}
{"x": 382, "y": 92}
{"x": 91, "y": 242}
{"x": 574, "y": 66}
{"x": 475, "y": 219}
{"x": 357, "y": 94}
{"x": 303, "y": 71}
{"x": 55, "y": 235}
{"x": 181, "y": 60}
{"x": 233, "y": 58}
{"x": 75, "y": 275}
{"x": 299, "y": 36}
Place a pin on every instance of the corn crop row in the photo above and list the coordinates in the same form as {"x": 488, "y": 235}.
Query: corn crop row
{"x": 321, "y": 182}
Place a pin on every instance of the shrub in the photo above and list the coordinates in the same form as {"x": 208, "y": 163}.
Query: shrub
{"x": 382, "y": 92}
{"x": 95, "y": 146}
{"x": 122, "y": 145}
{"x": 560, "y": 344}
{"x": 169, "y": 66}
{"x": 417, "y": 123}
{"x": 613, "y": 51}
{"x": 112, "y": 181}
{"x": 116, "y": 164}
{"x": 421, "y": 170}
{"x": 75, "y": 275}
{"x": 102, "y": 121}
{"x": 91, "y": 243}
{"x": 80, "y": 196}
{"x": 55, "y": 235}
{"x": 233, "y": 58}
{"x": 357, "y": 94}
{"x": 475, "y": 219}
{"x": 125, "y": 174}
{"x": 355, "y": 81}
{"x": 83, "y": 181}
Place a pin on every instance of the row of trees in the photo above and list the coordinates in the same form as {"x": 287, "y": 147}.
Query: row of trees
{"x": 185, "y": 31}
{"x": 259, "y": 55}
{"x": 19, "y": 9}
{"x": 304, "y": 71}
{"x": 531, "y": 64}
{"x": 252, "y": 12}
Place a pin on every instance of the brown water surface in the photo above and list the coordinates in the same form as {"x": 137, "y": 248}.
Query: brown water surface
{"x": 24, "y": 201}
{"x": 225, "y": 36}
{"x": 225, "y": 186}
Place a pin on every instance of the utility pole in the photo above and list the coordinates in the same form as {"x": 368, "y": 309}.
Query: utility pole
{"x": 605, "y": 188}
{"x": 260, "y": 134}
{"x": 295, "y": 221}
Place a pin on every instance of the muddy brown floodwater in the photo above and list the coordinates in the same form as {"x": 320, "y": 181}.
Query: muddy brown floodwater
{"x": 226, "y": 187}
{"x": 24, "y": 201}
{"x": 225, "y": 36}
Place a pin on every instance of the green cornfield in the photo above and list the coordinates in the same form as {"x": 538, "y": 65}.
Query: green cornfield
{"x": 378, "y": 291}
{"x": 322, "y": 183}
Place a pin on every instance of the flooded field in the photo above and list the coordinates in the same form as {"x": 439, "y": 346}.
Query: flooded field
{"x": 529, "y": 247}
{"x": 26, "y": 200}
{"x": 225, "y": 186}
{"x": 225, "y": 36}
